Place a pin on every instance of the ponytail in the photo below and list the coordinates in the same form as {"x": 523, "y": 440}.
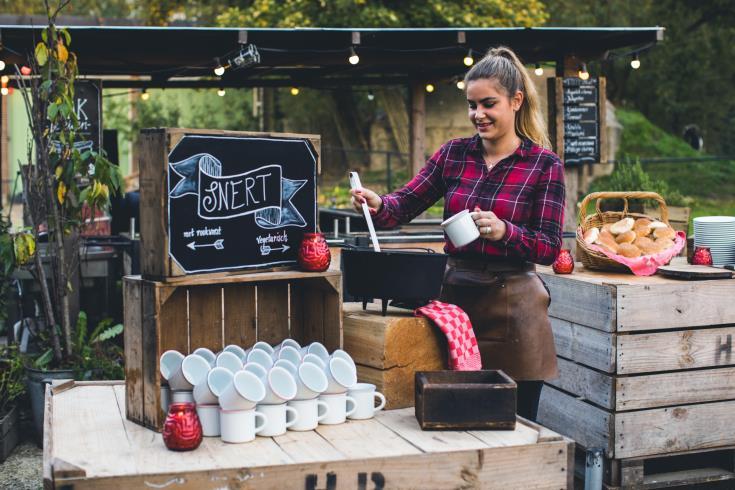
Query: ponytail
{"x": 503, "y": 65}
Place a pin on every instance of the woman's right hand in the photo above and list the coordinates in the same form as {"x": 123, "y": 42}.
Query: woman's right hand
{"x": 362, "y": 195}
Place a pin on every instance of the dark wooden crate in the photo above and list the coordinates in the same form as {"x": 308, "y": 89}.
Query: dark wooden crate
{"x": 9, "y": 435}
{"x": 212, "y": 313}
{"x": 461, "y": 400}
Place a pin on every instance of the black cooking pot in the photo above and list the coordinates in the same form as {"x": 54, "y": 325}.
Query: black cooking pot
{"x": 408, "y": 276}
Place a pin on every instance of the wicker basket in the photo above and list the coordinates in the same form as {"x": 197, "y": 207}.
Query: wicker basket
{"x": 597, "y": 260}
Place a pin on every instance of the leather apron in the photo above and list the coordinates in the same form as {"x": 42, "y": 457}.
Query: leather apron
{"x": 508, "y": 306}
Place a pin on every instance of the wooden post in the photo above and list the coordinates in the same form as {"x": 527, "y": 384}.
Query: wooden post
{"x": 418, "y": 126}
{"x": 6, "y": 185}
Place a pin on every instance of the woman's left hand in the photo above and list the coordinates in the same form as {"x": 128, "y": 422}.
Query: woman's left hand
{"x": 491, "y": 227}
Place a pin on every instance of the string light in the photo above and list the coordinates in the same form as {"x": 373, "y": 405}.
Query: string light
{"x": 221, "y": 92}
{"x": 2, "y": 65}
{"x": 538, "y": 71}
{"x": 468, "y": 60}
{"x": 429, "y": 88}
{"x": 4, "y": 91}
{"x": 370, "y": 95}
{"x": 460, "y": 84}
{"x": 635, "y": 63}
{"x": 144, "y": 95}
{"x": 294, "y": 91}
{"x": 353, "y": 59}
{"x": 583, "y": 73}
{"x": 219, "y": 70}
{"x": 4, "y": 79}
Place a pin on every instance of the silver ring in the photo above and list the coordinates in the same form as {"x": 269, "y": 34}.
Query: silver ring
{"x": 487, "y": 230}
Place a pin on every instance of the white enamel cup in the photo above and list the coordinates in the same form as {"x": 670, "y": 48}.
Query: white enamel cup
{"x": 237, "y": 350}
{"x": 339, "y": 353}
{"x": 261, "y": 357}
{"x": 208, "y": 391}
{"x": 311, "y": 412}
{"x": 318, "y": 350}
{"x": 314, "y": 359}
{"x": 364, "y": 395}
{"x": 340, "y": 375}
{"x": 207, "y": 354}
{"x": 170, "y": 363}
{"x": 209, "y": 418}
{"x": 194, "y": 370}
{"x": 290, "y": 343}
{"x": 311, "y": 381}
{"x": 291, "y": 354}
{"x": 461, "y": 228}
{"x": 239, "y": 425}
{"x": 256, "y": 369}
{"x": 260, "y": 345}
{"x": 280, "y": 387}
{"x": 337, "y": 408}
{"x": 229, "y": 360}
{"x": 277, "y": 419}
{"x": 182, "y": 396}
{"x": 288, "y": 366}
{"x": 245, "y": 391}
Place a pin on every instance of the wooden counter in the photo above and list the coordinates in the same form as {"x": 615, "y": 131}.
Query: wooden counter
{"x": 90, "y": 444}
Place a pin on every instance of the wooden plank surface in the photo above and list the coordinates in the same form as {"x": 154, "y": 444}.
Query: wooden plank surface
{"x": 366, "y": 439}
{"x": 580, "y": 301}
{"x": 312, "y": 310}
{"x": 239, "y": 277}
{"x": 153, "y": 158}
{"x": 521, "y": 436}
{"x": 239, "y": 314}
{"x": 332, "y": 310}
{"x": 152, "y": 318}
{"x": 272, "y": 311}
{"x": 674, "y": 429}
{"x": 679, "y": 388}
{"x": 307, "y": 447}
{"x": 133, "y": 334}
{"x": 205, "y": 317}
{"x": 584, "y": 345}
{"x": 594, "y": 386}
{"x": 675, "y": 350}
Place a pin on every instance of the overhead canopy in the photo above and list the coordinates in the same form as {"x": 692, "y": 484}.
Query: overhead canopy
{"x": 181, "y": 56}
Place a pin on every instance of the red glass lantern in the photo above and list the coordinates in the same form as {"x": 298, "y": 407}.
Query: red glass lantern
{"x": 182, "y": 430}
{"x": 702, "y": 256}
{"x": 564, "y": 263}
{"x": 314, "y": 253}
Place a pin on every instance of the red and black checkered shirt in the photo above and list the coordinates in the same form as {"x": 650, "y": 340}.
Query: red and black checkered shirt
{"x": 526, "y": 190}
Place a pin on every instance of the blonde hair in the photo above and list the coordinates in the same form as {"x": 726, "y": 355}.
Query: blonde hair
{"x": 503, "y": 65}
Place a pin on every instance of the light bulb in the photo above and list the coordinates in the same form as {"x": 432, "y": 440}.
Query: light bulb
{"x": 221, "y": 92}
{"x": 353, "y": 59}
{"x": 4, "y": 79}
{"x": 370, "y": 95}
{"x": 4, "y": 91}
{"x": 635, "y": 63}
{"x": 429, "y": 87}
{"x": 219, "y": 70}
{"x": 583, "y": 73}
{"x": 460, "y": 84}
{"x": 538, "y": 71}
{"x": 145, "y": 95}
{"x": 294, "y": 91}
{"x": 468, "y": 60}
{"x": 2, "y": 65}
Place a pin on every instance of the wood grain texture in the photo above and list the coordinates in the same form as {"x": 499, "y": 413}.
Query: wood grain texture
{"x": 593, "y": 386}
{"x": 585, "y": 345}
{"x": 593, "y": 305}
{"x": 239, "y": 277}
{"x": 133, "y": 332}
{"x": 404, "y": 423}
{"x": 152, "y": 413}
{"x": 153, "y": 154}
{"x": 172, "y": 319}
{"x": 333, "y": 314}
{"x": 312, "y": 310}
{"x": 239, "y": 314}
{"x": 205, "y": 317}
{"x": 272, "y": 311}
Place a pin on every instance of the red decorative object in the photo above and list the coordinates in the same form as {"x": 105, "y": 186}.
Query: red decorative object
{"x": 702, "y": 256}
{"x": 564, "y": 263}
{"x": 314, "y": 253}
{"x": 25, "y": 70}
{"x": 182, "y": 430}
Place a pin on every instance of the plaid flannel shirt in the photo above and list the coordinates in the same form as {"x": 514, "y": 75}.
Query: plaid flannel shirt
{"x": 526, "y": 190}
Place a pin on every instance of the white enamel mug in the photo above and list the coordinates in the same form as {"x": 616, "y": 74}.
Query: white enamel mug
{"x": 182, "y": 396}
{"x": 208, "y": 391}
{"x": 314, "y": 359}
{"x": 318, "y": 350}
{"x": 280, "y": 387}
{"x": 277, "y": 418}
{"x": 339, "y": 353}
{"x": 288, "y": 366}
{"x": 261, "y": 357}
{"x": 256, "y": 369}
{"x": 310, "y": 381}
{"x": 260, "y": 345}
{"x": 193, "y": 371}
{"x": 364, "y": 395}
{"x": 209, "y": 418}
{"x": 171, "y": 370}
{"x": 237, "y": 350}
{"x": 207, "y": 354}
{"x": 461, "y": 228}
{"x": 239, "y": 425}
{"x": 337, "y": 408}
{"x": 340, "y": 375}
{"x": 229, "y": 360}
{"x": 245, "y": 391}
{"x": 290, "y": 354}
{"x": 290, "y": 343}
{"x": 311, "y": 412}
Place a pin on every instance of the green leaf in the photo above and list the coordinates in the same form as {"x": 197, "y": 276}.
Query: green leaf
{"x": 53, "y": 109}
{"x": 44, "y": 359}
{"x": 44, "y": 35}
{"x": 41, "y": 54}
{"x": 67, "y": 36}
{"x": 81, "y": 330}
{"x": 111, "y": 332}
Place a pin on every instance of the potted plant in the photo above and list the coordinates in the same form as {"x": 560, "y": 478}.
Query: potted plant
{"x": 60, "y": 177}
{"x": 11, "y": 388}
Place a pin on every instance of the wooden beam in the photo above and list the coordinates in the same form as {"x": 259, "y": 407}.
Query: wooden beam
{"x": 418, "y": 126}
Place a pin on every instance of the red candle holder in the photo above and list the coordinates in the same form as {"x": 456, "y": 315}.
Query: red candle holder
{"x": 314, "y": 253}
{"x": 182, "y": 430}
{"x": 564, "y": 263}
{"x": 702, "y": 256}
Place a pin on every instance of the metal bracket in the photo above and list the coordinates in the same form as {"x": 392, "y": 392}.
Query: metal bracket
{"x": 593, "y": 469}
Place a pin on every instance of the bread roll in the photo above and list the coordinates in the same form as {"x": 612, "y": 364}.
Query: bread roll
{"x": 627, "y": 237}
{"x": 625, "y": 224}
{"x": 629, "y": 250}
{"x": 646, "y": 245}
{"x": 606, "y": 227}
{"x": 664, "y": 243}
{"x": 591, "y": 235}
{"x": 664, "y": 233}
{"x": 608, "y": 241}
{"x": 658, "y": 224}
{"x": 642, "y": 227}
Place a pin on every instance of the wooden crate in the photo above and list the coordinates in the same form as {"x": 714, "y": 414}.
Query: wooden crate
{"x": 206, "y": 312}
{"x": 388, "y": 350}
{"x": 646, "y": 363}
{"x": 90, "y": 444}
{"x": 154, "y": 146}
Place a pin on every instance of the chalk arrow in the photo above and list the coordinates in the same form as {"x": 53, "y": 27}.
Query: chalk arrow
{"x": 267, "y": 249}
{"x": 219, "y": 244}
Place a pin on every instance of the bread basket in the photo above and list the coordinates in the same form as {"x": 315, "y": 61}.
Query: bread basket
{"x": 596, "y": 260}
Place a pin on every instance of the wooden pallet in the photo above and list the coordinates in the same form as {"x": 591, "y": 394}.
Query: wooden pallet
{"x": 90, "y": 444}
{"x": 213, "y": 312}
{"x": 646, "y": 363}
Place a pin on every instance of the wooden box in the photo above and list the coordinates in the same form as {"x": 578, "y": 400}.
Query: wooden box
{"x": 463, "y": 400}
{"x": 90, "y": 445}
{"x": 155, "y": 147}
{"x": 204, "y": 312}
{"x": 388, "y": 350}
{"x": 646, "y": 365}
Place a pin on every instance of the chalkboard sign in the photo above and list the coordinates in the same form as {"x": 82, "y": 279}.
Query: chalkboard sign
{"x": 88, "y": 108}
{"x": 239, "y": 202}
{"x": 580, "y": 117}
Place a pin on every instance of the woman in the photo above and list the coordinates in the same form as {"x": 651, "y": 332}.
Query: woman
{"x": 515, "y": 185}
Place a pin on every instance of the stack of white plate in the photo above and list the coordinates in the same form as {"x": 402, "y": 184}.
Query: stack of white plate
{"x": 717, "y": 233}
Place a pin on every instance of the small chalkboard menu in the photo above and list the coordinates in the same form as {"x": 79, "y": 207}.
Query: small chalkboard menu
{"x": 88, "y": 109}
{"x": 580, "y": 117}
{"x": 239, "y": 202}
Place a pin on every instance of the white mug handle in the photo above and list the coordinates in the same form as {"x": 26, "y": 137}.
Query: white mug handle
{"x": 326, "y": 410}
{"x": 354, "y": 406}
{"x": 295, "y": 418}
{"x": 260, "y": 427}
{"x": 382, "y": 401}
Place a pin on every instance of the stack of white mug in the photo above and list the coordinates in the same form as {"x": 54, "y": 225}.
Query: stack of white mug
{"x": 267, "y": 390}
